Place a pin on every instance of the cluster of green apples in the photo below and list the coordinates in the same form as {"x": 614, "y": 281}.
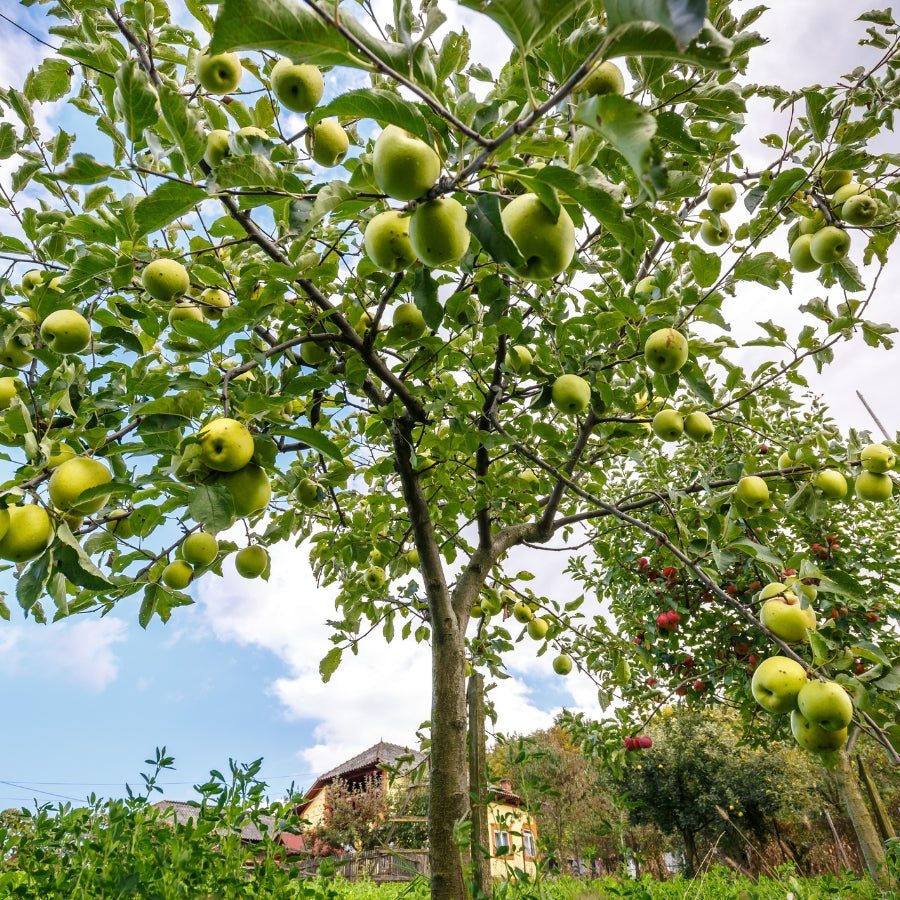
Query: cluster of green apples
{"x": 715, "y": 231}
{"x": 167, "y": 280}
{"x": 821, "y": 711}
{"x": 297, "y": 87}
{"x": 199, "y": 550}
{"x": 820, "y": 239}
{"x": 873, "y": 482}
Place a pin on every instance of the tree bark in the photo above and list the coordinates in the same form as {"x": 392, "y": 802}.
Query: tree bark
{"x": 690, "y": 852}
{"x": 481, "y": 846}
{"x": 866, "y": 833}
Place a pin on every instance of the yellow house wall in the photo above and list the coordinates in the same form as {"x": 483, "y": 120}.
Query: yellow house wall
{"x": 315, "y": 812}
{"x": 511, "y": 819}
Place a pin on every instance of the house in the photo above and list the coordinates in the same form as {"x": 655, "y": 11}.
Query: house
{"x": 513, "y": 831}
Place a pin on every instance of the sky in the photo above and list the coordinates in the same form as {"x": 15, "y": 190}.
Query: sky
{"x": 235, "y": 676}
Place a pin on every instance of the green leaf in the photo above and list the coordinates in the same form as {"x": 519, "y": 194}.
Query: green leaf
{"x": 528, "y": 22}
{"x": 485, "y": 223}
{"x": 764, "y": 268}
{"x": 889, "y": 682}
{"x": 704, "y": 266}
{"x": 32, "y": 581}
{"x": 248, "y": 170}
{"x": 75, "y": 564}
{"x": 626, "y": 125}
{"x": 167, "y": 202}
{"x": 784, "y": 185}
{"x": 148, "y": 604}
{"x": 818, "y": 114}
{"x": 710, "y": 49}
{"x": 683, "y": 18}
{"x": 315, "y": 439}
{"x": 4, "y": 609}
{"x": 425, "y": 295}
{"x": 135, "y": 99}
{"x": 329, "y": 663}
{"x": 757, "y": 551}
{"x": 184, "y": 124}
{"x": 8, "y": 140}
{"x": 84, "y": 169}
{"x": 50, "y": 81}
{"x": 848, "y": 275}
{"x": 212, "y": 506}
{"x": 386, "y": 107}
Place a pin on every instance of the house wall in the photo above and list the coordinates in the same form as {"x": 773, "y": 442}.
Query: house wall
{"x": 504, "y": 818}
{"x": 315, "y": 812}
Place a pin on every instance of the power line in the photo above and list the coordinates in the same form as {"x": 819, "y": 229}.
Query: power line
{"x": 25, "y": 787}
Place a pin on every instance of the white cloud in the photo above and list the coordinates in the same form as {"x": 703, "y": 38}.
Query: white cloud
{"x": 80, "y": 651}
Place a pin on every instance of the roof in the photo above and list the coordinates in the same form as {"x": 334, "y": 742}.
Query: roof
{"x": 183, "y": 812}
{"x": 380, "y": 755}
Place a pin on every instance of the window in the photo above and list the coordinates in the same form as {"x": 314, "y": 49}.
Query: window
{"x": 501, "y": 842}
{"x": 528, "y": 843}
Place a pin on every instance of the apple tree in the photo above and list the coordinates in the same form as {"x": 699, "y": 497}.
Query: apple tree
{"x": 448, "y": 316}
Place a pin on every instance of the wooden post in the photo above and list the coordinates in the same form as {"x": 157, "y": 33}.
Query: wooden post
{"x": 882, "y": 819}
{"x": 837, "y": 841}
{"x": 481, "y": 838}
{"x": 867, "y": 836}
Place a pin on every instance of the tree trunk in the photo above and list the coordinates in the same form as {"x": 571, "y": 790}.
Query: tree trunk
{"x": 690, "y": 853}
{"x": 481, "y": 837}
{"x": 866, "y": 834}
{"x": 882, "y": 819}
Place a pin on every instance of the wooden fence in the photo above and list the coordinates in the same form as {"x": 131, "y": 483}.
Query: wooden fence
{"x": 378, "y": 865}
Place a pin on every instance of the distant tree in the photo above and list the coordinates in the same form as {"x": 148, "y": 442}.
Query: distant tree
{"x": 354, "y": 816}
{"x": 699, "y": 780}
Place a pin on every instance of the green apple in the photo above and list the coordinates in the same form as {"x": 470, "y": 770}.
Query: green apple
{"x": 562, "y": 665}
{"x": 408, "y": 322}
{"x": 604, "y": 78}
{"x": 314, "y": 353}
{"x": 752, "y": 491}
{"x": 519, "y": 359}
{"x": 836, "y": 179}
{"x": 252, "y": 561}
{"x": 165, "y": 279}
{"x": 801, "y": 256}
{"x": 813, "y": 222}
{"x": 646, "y": 285}
{"x": 199, "y": 549}
{"x": 387, "y": 241}
{"x": 28, "y": 535}
{"x": 666, "y": 351}
{"x": 4, "y": 522}
{"x": 698, "y": 426}
{"x": 571, "y": 394}
{"x": 10, "y": 387}
{"x": 538, "y": 628}
{"x": 843, "y": 194}
{"x": 31, "y": 281}
{"x": 522, "y": 612}
{"x": 874, "y": 486}
{"x": 249, "y": 132}
{"x": 216, "y": 147}
{"x": 813, "y": 738}
{"x": 713, "y": 236}
{"x": 66, "y": 331}
{"x": 546, "y": 243}
{"x": 308, "y": 492}
{"x": 177, "y": 575}
{"x": 374, "y": 578}
{"x": 72, "y": 478}
{"x": 784, "y": 615}
{"x": 831, "y": 483}
{"x": 530, "y": 476}
{"x": 404, "y": 166}
{"x": 119, "y": 524}
{"x": 796, "y": 585}
{"x": 776, "y": 683}
{"x": 826, "y": 704}
{"x": 215, "y": 302}
{"x": 13, "y": 354}
{"x": 668, "y": 425}
{"x": 721, "y": 197}
{"x": 412, "y": 557}
{"x": 184, "y": 312}
{"x": 220, "y": 73}
{"x": 859, "y": 210}
{"x": 829, "y": 244}
{"x": 877, "y": 458}
{"x": 438, "y": 233}
{"x": 59, "y": 453}
{"x": 226, "y": 445}
{"x": 327, "y": 143}
{"x": 298, "y": 86}
{"x": 249, "y": 488}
